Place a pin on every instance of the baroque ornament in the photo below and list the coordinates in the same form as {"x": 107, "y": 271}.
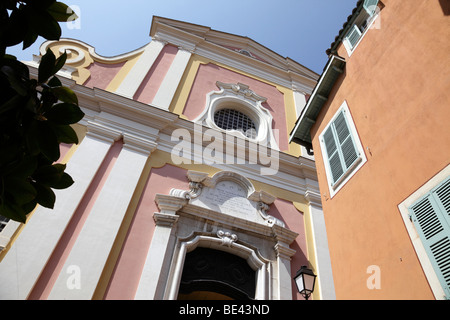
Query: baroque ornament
{"x": 228, "y": 238}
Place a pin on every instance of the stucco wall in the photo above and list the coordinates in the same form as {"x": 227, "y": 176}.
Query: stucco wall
{"x": 397, "y": 86}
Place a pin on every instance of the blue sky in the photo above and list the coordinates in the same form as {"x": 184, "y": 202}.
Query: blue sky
{"x": 299, "y": 29}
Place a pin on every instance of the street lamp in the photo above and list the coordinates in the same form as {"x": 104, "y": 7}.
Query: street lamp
{"x": 305, "y": 280}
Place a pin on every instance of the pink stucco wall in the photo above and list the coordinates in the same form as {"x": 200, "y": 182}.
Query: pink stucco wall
{"x": 102, "y": 74}
{"x": 56, "y": 261}
{"x": 63, "y": 149}
{"x": 126, "y": 275}
{"x": 125, "y": 278}
{"x": 294, "y": 220}
{"x": 150, "y": 85}
{"x": 205, "y": 82}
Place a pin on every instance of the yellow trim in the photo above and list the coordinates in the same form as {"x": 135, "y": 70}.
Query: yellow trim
{"x": 291, "y": 117}
{"x": 82, "y": 72}
{"x": 120, "y": 76}
{"x": 310, "y": 243}
{"x": 184, "y": 88}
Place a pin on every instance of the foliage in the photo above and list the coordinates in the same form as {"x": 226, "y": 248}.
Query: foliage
{"x": 35, "y": 114}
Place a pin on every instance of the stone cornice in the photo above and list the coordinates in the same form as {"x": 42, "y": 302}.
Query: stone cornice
{"x": 148, "y": 128}
{"x": 212, "y": 44}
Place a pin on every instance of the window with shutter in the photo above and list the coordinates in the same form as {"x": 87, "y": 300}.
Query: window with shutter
{"x": 370, "y": 6}
{"x": 341, "y": 149}
{"x": 361, "y": 24}
{"x": 353, "y": 36}
{"x": 431, "y": 217}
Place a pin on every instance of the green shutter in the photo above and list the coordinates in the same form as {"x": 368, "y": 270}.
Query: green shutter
{"x": 353, "y": 36}
{"x": 348, "y": 149}
{"x": 334, "y": 160}
{"x": 340, "y": 147}
{"x": 370, "y": 6}
{"x": 442, "y": 193}
{"x": 431, "y": 217}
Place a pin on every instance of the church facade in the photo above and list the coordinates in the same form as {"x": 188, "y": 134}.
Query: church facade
{"x": 186, "y": 186}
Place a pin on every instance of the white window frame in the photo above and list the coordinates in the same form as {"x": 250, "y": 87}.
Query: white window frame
{"x": 7, "y": 233}
{"x": 239, "y": 97}
{"x": 421, "y": 252}
{"x": 372, "y": 18}
{"x": 358, "y": 163}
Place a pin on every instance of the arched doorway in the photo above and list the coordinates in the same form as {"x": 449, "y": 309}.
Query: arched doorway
{"x": 210, "y": 274}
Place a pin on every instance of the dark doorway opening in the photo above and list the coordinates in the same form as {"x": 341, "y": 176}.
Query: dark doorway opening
{"x": 210, "y": 274}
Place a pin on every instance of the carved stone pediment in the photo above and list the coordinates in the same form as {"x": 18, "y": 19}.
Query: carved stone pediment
{"x": 231, "y": 194}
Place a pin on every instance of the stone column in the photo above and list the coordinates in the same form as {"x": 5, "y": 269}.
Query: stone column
{"x": 154, "y": 275}
{"x": 283, "y": 282}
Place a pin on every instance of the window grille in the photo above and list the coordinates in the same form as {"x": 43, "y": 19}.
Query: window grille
{"x": 230, "y": 119}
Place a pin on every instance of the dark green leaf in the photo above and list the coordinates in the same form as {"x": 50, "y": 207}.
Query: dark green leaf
{"x": 54, "y": 82}
{"x": 64, "y": 182}
{"x": 31, "y": 104}
{"x": 45, "y": 196}
{"x": 65, "y": 95}
{"x": 60, "y": 167}
{"x": 15, "y": 79}
{"x": 10, "y": 56}
{"x": 10, "y": 4}
{"x": 64, "y": 113}
{"x": 30, "y": 206}
{"x": 61, "y": 12}
{"x": 47, "y": 140}
{"x": 24, "y": 168}
{"x": 13, "y": 211}
{"x": 50, "y": 175}
{"x": 45, "y": 25}
{"x": 46, "y": 66}
{"x": 60, "y": 62}
{"x": 9, "y": 152}
{"x": 21, "y": 190}
{"x": 31, "y": 138}
{"x": 65, "y": 134}
{"x": 42, "y": 4}
{"x": 15, "y": 29}
{"x": 14, "y": 103}
{"x": 29, "y": 38}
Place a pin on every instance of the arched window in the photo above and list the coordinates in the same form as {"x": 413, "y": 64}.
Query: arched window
{"x": 231, "y": 119}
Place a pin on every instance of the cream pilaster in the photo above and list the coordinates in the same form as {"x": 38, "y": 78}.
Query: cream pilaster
{"x": 283, "y": 276}
{"x": 169, "y": 86}
{"x": 323, "y": 262}
{"x": 94, "y": 243}
{"x": 136, "y": 75}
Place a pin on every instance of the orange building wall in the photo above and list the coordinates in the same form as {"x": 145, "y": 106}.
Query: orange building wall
{"x": 397, "y": 86}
